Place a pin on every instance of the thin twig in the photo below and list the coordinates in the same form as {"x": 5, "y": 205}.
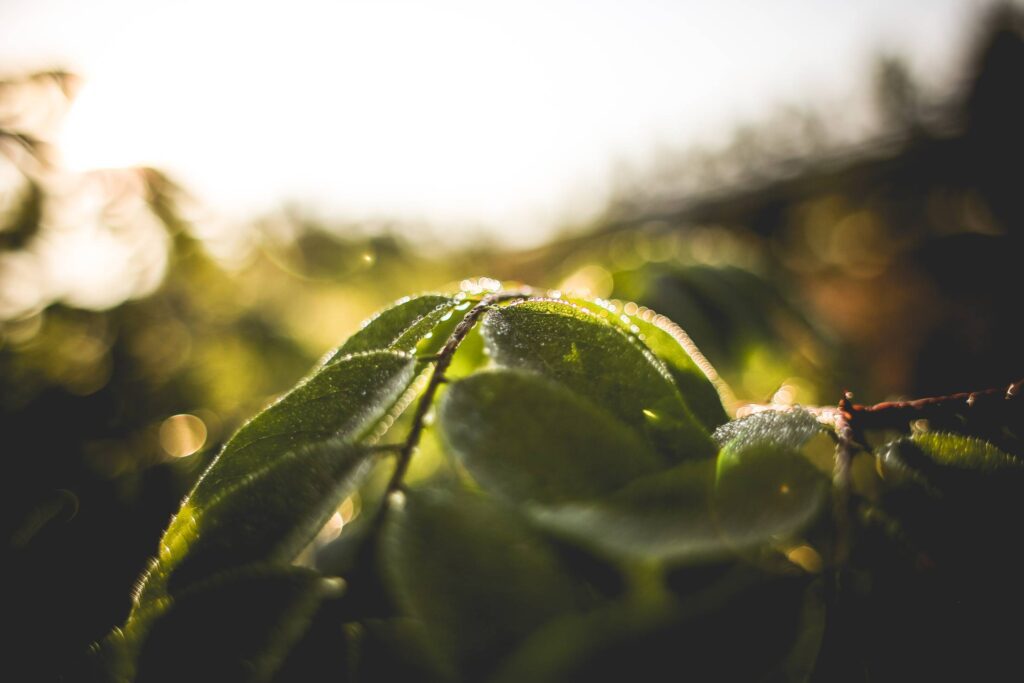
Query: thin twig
{"x": 898, "y": 414}
{"x": 848, "y": 440}
{"x": 442, "y": 360}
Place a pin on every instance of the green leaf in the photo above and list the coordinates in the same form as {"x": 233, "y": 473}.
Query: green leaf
{"x": 270, "y": 517}
{"x": 238, "y": 626}
{"x": 955, "y": 451}
{"x": 280, "y": 477}
{"x": 346, "y": 396}
{"x": 528, "y": 438}
{"x": 673, "y": 348}
{"x": 747, "y": 628}
{"x": 400, "y": 327}
{"x": 767, "y": 483}
{"x": 477, "y": 577}
{"x": 949, "y": 462}
{"x": 762, "y": 487}
{"x": 598, "y": 360}
{"x": 665, "y": 516}
{"x": 790, "y": 429}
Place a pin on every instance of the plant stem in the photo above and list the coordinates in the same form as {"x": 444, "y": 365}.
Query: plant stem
{"x": 848, "y": 440}
{"x": 897, "y": 414}
{"x": 442, "y": 361}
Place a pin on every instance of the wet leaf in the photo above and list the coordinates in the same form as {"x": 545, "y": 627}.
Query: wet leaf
{"x": 935, "y": 453}
{"x": 785, "y": 429}
{"x": 345, "y": 397}
{"x": 598, "y": 360}
{"x": 399, "y": 328}
{"x": 673, "y": 348}
{"x": 767, "y": 486}
{"x": 528, "y": 438}
{"x": 280, "y": 477}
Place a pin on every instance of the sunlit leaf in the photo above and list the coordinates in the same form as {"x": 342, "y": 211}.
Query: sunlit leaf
{"x": 672, "y": 347}
{"x": 280, "y": 477}
{"x": 942, "y": 454}
{"x": 270, "y": 517}
{"x": 599, "y": 361}
{"x": 477, "y": 577}
{"x": 785, "y": 429}
{"x": 399, "y": 328}
{"x": 531, "y": 439}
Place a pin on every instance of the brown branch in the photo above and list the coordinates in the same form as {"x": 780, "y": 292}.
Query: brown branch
{"x": 898, "y": 414}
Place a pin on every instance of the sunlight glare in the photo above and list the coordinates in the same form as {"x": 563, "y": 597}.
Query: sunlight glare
{"x": 510, "y": 116}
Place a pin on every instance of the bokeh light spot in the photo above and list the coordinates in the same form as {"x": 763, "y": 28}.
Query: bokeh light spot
{"x": 182, "y": 435}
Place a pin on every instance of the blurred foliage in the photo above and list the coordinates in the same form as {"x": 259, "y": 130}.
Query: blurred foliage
{"x": 904, "y": 242}
{"x": 137, "y": 331}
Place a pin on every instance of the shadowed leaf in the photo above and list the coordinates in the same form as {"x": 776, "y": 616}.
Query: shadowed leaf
{"x": 528, "y": 438}
{"x": 478, "y": 578}
{"x": 236, "y": 627}
{"x": 664, "y": 516}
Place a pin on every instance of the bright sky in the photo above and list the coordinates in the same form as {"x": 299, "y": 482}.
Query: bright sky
{"x": 504, "y": 114}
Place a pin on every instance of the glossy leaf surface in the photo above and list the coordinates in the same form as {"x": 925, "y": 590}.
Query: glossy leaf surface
{"x": 280, "y": 476}
{"x": 673, "y": 348}
{"x": 400, "y": 327}
{"x": 529, "y": 438}
{"x": 598, "y": 360}
{"x": 767, "y": 485}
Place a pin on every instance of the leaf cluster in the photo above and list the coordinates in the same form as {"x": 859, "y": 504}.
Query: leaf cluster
{"x": 551, "y": 490}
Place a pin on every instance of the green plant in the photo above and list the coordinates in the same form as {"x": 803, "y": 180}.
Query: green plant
{"x": 552, "y": 490}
